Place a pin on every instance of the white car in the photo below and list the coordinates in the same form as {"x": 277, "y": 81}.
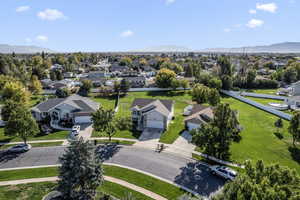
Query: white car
{"x": 224, "y": 172}
{"x": 76, "y": 128}
{"x": 19, "y": 148}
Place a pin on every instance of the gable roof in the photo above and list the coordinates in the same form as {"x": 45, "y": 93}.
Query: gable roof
{"x": 200, "y": 114}
{"x": 147, "y": 105}
{"x": 83, "y": 104}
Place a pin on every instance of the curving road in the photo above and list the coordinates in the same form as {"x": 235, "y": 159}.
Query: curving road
{"x": 182, "y": 171}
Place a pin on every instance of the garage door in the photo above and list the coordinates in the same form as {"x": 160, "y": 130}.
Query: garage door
{"x": 155, "y": 124}
{"x": 83, "y": 119}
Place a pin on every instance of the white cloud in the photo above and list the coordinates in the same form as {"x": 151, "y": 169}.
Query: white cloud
{"x": 252, "y": 11}
{"x": 168, "y": 2}
{"x": 41, "y": 38}
{"x": 253, "y": 23}
{"x": 268, "y": 7}
{"x": 127, "y": 33}
{"x": 51, "y": 14}
{"x": 227, "y": 30}
{"x": 28, "y": 40}
{"x": 22, "y": 8}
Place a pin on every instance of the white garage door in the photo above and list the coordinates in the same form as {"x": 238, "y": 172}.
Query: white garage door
{"x": 83, "y": 119}
{"x": 155, "y": 124}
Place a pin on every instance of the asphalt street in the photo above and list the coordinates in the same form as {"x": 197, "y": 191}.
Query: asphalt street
{"x": 180, "y": 170}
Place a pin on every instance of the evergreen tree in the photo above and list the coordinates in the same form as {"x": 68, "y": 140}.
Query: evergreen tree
{"x": 81, "y": 171}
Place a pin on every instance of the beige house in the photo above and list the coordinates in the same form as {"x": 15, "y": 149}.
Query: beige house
{"x": 197, "y": 116}
{"x": 152, "y": 113}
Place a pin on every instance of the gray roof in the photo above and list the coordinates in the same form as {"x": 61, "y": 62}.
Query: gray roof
{"x": 144, "y": 102}
{"x": 82, "y": 104}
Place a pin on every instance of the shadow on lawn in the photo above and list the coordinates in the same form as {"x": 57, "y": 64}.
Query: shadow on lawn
{"x": 198, "y": 178}
{"x": 295, "y": 153}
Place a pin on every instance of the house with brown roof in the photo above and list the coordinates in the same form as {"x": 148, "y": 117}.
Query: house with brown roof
{"x": 152, "y": 113}
{"x": 197, "y": 115}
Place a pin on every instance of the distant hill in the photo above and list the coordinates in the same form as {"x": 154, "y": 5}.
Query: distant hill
{"x": 286, "y": 47}
{"x": 164, "y": 48}
{"x": 4, "y": 48}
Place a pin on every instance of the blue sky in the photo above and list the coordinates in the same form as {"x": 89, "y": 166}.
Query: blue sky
{"x": 111, "y": 25}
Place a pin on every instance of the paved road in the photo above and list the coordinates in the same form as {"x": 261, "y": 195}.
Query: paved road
{"x": 177, "y": 169}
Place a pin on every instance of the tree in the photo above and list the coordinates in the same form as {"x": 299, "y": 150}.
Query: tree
{"x": 8, "y": 108}
{"x": 35, "y": 86}
{"x": 164, "y": 78}
{"x": 103, "y": 121}
{"x": 126, "y": 61}
{"x": 226, "y": 82}
{"x": 21, "y": 124}
{"x": 215, "y": 83}
{"x": 278, "y": 124}
{"x": 80, "y": 173}
{"x": 250, "y": 78}
{"x": 85, "y": 88}
{"x": 143, "y": 62}
{"x": 175, "y": 84}
{"x": 15, "y": 91}
{"x": 117, "y": 87}
{"x": 62, "y": 92}
{"x": 185, "y": 84}
{"x": 294, "y": 127}
{"x": 124, "y": 86}
{"x": 290, "y": 75}
{"x": 263, "y": 183}
{"x": 172, "y": 66}
{"x": 200, "y": 93}
{"x": 215, "y": 137}
{"x": 213, "y": 97}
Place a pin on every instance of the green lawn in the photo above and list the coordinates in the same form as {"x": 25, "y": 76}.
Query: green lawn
{"x": 35, "y": 99}
{"x": 52, "y": 136}
{"x": 160, "y": 187}
{"x": 264, "y": 101}
{"x": 43, "y": 144}
{"x": 265, "y": 91}
{"x": 106, "y": 102}
{"x": 35, "y": 191}
{"x": 258, "y": 138}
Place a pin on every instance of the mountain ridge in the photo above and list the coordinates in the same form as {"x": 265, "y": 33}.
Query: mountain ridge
{"x": 23, "y": 49}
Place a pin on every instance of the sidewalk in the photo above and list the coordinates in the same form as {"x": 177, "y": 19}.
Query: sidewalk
{"x": 107, "y": 178}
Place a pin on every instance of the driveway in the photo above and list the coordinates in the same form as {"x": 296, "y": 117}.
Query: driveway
{"x": 151, "y": 134}
{"x": 174, "y": 168}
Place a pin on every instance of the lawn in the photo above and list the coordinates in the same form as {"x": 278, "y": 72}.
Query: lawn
{"x": 106, "y": 102}
{"x": 264, "y": 101}
{"x": 121, "y": 142}
{"x": 43, "y": 144}
{"x": 52, "y": 136}
{"x": 157, "y": 186}
{"x": 35, "y": 191}
{"x": 265, "y": 91}
{"x": 258, "y": 138}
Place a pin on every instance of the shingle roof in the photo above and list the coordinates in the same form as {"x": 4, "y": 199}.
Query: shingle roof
{"x": 83, "y": 104}
{"x": 144, "y": 102}
{"x": 200, "y": 114}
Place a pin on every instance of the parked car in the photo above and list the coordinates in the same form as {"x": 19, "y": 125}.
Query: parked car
{"x": 19, "y": 148}
{"x": 73, "y": 135}
{"x": 224, "y": 172}
{"x": 76, "y": 128}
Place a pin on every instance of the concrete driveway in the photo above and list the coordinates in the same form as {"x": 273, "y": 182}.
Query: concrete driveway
{"x": 151, "y": 134}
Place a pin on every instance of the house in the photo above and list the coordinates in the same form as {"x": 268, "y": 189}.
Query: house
{"x": 293, "y": 102}
{"x": 152, "y": 113}
{"x": 197, "y": 115}
{"x": 136, "y": 82}
{"x": 97, "y": 82}
{"x": 115, "y": 68}
{"x": 69, "y": 75}
{"x": 74, "y": 109}
{"x": 98, "y": 74}
{"x": 295, "y": 89}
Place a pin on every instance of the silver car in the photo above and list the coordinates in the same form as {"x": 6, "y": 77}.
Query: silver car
{"x": 224, "y": 172}
{"x": 20, "y": 148}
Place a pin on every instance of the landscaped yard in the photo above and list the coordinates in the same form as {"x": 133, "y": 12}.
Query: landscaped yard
{"x": 36, "y": 191}
{"x": 52, "y": 136}
{"x": 106, "y": 102}
{"x": 258, "y": 138}
{"x": 157, "y": 186}
{"x": 264, "y": 101}
{"x": 265, "y": 91}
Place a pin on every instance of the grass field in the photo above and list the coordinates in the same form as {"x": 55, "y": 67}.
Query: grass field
{"x": 106, "y": 102}
{"x": 157, "y": 186}
{"x": 264, "y": 101}
{"x": 35, "y": 191}
{"x": 258, "y": 138}
{"x": 52, "y": 136}
{"x": 43, "y": 144}
{"x": 265, "y": 91}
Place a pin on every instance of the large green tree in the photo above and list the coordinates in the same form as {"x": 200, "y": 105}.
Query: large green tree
{"x": 294, "y": 127}
{"x": 21, "y": 124}
{"x": 103, "y": 122}
{"x": 164, "y": 78}
{"x": 15, "y": 91}
{"x": 85, "y": 88}
{"x": 81, "y": 171}
{"x": 200, "y": 93}
{"x": 260, "y": 182}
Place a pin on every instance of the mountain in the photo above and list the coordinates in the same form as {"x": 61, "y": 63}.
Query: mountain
{"x": 164, "y": 48}
{"x": 4, "y": 48}
{"x": 285, "y": 47}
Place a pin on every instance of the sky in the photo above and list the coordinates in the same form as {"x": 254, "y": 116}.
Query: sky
{"x": 121, "y": 25}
